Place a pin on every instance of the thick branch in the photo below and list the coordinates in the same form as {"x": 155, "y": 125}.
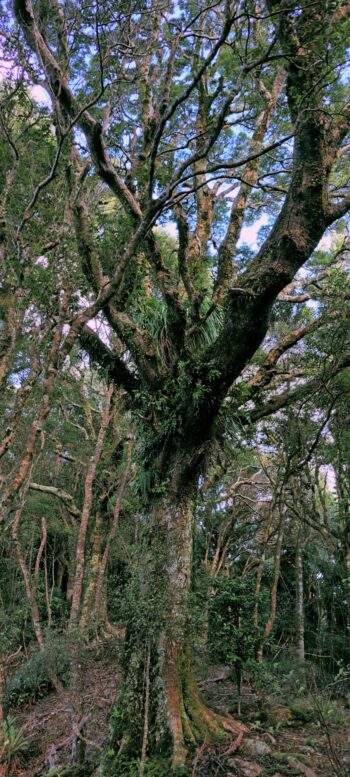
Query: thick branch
{"x": 100, "y": 353}
{"x": 267, "y": 370}
{"x": 59, "y": 493}
{"x": 290, "y": 396}
{"x": 135, "y": 340}
{"x": 250, "y": 176}
{"x": 296, "y": 233}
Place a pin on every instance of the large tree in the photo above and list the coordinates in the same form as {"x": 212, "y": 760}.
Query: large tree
{"x": 203, "y": 117}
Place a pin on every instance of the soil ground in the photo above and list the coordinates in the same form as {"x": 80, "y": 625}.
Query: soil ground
{"x": 285, "y": 744}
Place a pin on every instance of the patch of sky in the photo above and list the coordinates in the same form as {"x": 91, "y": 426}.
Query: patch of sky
{"x": 40, "y": 95}
{"x": 15, "y": 379}
{"x": 249, "y": 234}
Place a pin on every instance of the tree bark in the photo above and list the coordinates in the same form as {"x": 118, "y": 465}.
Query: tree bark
{"x": 113, "y": 530}
{"x": 87, "y": 610}
{"x": 299, "y": 599}
{"x": 160, "y": 624}
{"x": 261, "y": 566}
{"x": 273, "y": 596}
{"x": 85, "y": 515}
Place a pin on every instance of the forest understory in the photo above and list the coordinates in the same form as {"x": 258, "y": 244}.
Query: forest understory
{"x": 303, "y": 730}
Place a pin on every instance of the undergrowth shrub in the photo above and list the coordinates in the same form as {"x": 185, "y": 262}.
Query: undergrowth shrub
{"x": 32, "y": 680}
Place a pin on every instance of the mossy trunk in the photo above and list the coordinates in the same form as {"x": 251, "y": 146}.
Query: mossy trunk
{"x": 2, "y": 684}
{"x": 87, "y": 613}
{"x": 160, "y": 705}
{"x": 299, "y": 600}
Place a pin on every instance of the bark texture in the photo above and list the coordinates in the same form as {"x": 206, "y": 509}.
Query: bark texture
{"x": 273, "y": 594}
{"x": 299, "y": 599}
{"x": 159, "y": 681}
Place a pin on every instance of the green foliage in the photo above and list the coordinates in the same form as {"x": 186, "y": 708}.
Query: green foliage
{"x": 12, "y": 624}
{"x": 302, "y": 711}
{"x": 154, "y": 767}
{"x": 72, "y": 771}
{"x": 233, "y": 637}
{"x": 318, "y": 708}
{"x": 32, "y": 680}
{"x": 15, "y": 740}
{"x": 329, "y": 711}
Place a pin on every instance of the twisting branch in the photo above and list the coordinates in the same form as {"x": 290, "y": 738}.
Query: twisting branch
{"x": 78, "y": 114}
{"x": 250, "y": 176}
{"x": 267, "y": 371}
{"x": 59, "y": 493}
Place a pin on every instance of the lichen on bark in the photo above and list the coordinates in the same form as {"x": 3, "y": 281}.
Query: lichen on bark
{"x": 159, "y": 622}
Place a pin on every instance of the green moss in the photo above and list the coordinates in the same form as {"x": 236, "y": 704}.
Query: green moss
{"x": 154, "y": 767}
{"x": 302, "y": 711}
{"x": 286, "y": 757}
{"x": 281, "y": 757}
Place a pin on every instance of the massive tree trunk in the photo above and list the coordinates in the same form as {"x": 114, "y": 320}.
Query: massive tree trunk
{"x": 160, "y": 708}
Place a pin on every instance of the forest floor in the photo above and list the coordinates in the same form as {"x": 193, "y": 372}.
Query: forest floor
{"x": 46, "y": 723}
{"x": 305, "y": 735}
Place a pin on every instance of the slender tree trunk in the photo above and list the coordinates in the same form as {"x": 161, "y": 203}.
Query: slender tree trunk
{"x": 299, "y": 599}
{"x": 261, "y": 566}
{"x": 31, "y": 590}
{"x": 113, "y": 530}
{"x": 347, "y": 560}
{"x": 94, "y": 609}
{"x": 13, "y": 323}
{"x": 76, "y": 678}
{"x": 16, "y": 483}
{"x": 175, "y": 713}
{"x": 85, "y": 515}
{"x": 273, "y": 596}
{"x": 92, "y": 576}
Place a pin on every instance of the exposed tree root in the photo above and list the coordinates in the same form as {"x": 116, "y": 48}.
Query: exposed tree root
{"x": 178, "y": 710}
{"x": 201, "y": 724}
{"x": 209, "y": 725}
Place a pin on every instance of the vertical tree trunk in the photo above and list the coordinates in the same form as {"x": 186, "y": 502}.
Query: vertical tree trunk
{"x": 347, "y": 561}
{"x": 113, "y": 530}
{"x": 92, "y": 574}
{"x": 76, "y": 679}
{"x": 273, "y": 596}
{"x": 159, "y": 624}
{"x": 85, "y": 515}
{"x": 261, "y": 566}
{"x": 299, "y": 599}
